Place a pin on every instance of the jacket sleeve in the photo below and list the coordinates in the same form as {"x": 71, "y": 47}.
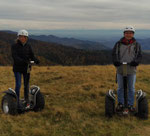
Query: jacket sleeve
{"x": 114, "y": 53}
{"x": 138, "y": 57}
{"x": 15, "y": 56}
{"x": 32, "y": 57}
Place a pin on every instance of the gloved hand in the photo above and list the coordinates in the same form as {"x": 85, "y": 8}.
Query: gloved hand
{"x": 134, "y": 64}
{"x": 117, "y": 63}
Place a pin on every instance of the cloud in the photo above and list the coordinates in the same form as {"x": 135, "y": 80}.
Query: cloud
{"x": 79, "y": 14}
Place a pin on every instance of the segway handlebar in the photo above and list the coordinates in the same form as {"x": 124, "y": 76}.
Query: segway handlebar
{"x": 31, "y": 62}
{"x": 29, "y": 66}
{"x": 125, "y": 63}
{"x": 125, "y": 68}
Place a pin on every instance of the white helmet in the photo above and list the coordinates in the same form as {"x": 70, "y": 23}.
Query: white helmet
{"x": 23, "y": 33}
{"x": 129, "y": 28}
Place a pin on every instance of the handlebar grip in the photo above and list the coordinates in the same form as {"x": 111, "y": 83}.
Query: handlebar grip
{"x": 124, "y": 63}
{"x": 32, "y": 62}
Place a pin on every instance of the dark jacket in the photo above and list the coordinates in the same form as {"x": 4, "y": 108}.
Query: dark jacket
{"x": 21, "y": 55}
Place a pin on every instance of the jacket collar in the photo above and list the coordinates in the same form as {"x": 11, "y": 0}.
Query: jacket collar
{"x": 127, "y": 42}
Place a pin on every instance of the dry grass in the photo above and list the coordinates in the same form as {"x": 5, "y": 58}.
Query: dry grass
{"x": 74, "y": 103}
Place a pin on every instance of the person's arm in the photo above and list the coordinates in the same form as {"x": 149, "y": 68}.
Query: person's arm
{"x": 15, "y": 56}
{"x": 32, "y": 56}
{"x": 115, "y": 60}
{"x": 138, "y": 56}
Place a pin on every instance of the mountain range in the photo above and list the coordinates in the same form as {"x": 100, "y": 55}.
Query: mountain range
{"x": 53, "y": 53}
{"x": 92, "y": 43}
{"x": 71, "y": 42}
{"x": 105, "y": 37}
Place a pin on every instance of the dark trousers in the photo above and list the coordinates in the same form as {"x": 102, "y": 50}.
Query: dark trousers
{"x": 26, "y": 78}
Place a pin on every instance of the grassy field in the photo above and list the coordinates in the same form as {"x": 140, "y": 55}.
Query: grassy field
{"x": 74, "y": 103}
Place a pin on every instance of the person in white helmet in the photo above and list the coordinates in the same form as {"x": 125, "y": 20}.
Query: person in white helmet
{"x": 127, "y": 49}
{"x": 22, "y": 53}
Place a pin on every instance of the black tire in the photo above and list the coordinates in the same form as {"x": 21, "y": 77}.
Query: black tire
{"x": 40, "y": 102}
{"x": 9, "y": 104}
{"x": 143, "y": 108}
{"x": 109, "y": 106}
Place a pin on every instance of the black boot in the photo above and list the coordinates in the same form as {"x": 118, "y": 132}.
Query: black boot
{"x": 120, "y": 107}
{"x": 131, "y": 108}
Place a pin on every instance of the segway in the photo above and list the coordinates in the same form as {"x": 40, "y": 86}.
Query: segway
{"x": 141, "y": 100}
{"x": 10, "y": 100}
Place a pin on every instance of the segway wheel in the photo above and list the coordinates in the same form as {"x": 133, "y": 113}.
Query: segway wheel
{"x": 9, "y": 105}
{"x": 40, "y": 102}
{"x": 143, "y": 108}
{"x": 109, "y": 106}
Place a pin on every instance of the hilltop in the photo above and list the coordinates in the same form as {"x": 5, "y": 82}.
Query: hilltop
{"x": 74, "y": 98}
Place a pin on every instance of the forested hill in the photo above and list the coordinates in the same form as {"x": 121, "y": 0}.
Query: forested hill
{"x": 53, "y": 54}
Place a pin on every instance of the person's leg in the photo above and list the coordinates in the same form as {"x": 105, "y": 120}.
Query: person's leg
{"x": 120, "y": 91}
{"x": 131, "y": 88}
{"x": 18, "y": 83}
{"x": 26, "y": 77}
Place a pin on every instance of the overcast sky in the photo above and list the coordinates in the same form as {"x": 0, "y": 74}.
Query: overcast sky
{"x": 74, "y": 14}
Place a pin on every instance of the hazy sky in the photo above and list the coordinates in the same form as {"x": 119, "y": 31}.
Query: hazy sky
{"x": 74, "y": 14}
